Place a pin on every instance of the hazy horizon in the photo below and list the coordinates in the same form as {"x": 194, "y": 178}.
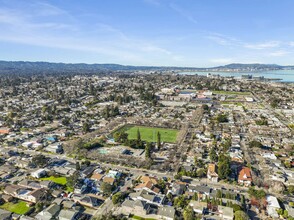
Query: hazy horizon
{"x": 148, "y": 32}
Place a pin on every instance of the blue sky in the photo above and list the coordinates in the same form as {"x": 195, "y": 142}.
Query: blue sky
{"x": 198, "y": 33}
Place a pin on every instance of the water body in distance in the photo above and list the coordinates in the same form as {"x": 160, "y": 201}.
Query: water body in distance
{"x": 283, "y": 75}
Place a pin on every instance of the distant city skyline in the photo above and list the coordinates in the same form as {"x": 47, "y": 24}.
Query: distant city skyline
{"x": 185, "y": 33}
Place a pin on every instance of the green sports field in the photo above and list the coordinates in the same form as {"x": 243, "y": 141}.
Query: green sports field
{"x": 231, "y": 93}
{"x": 150, "y": 134}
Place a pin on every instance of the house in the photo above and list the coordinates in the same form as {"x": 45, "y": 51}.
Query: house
{"x": 35, "y": 184}
{"x": 151, "y": 198}
{"x": 54, "y": 148}
{"x": 48, "y": 213}
{"x": 148, "y": 183}
{"x": 109, "y": 180}
{"x": 89, "y": 200}
{"x": 24, "y": 217}
{"x": 198, "y": 207}
{"x": 39, "y": 173}
{"x": 178, "y": 188}
{"x": 97, "y": 177}
{"x": 212, "y": 173}
{"x": 4, "y": 130}
{"x": 202, "y": 191}
{"x": 5, "y": 215}
{"x": 145, "y": 179}
{"x": 68, "y": 214}
{"x": 245, "y": 177}
{"x": 166, "y": 212}
{"x": 114, "y": 174}
{"x": 133, "y": 207}
{"x": 22, "y": 163}
{"x": 272, "y": 206}
{"x": 24, "y": 193}
{"x": 290, "y": 210}
{"x": 87, "y": 171}
{"x": 226, "y": 213}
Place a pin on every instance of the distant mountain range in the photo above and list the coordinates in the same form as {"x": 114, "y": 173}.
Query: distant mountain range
{"x": 43, "y": 67}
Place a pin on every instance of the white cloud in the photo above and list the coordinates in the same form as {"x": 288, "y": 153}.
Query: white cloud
{"x": 264, "y": 45}
{"x": 183, "y": 13}
{"x": 223, "y": 39}
{"x": 279, "y": 53}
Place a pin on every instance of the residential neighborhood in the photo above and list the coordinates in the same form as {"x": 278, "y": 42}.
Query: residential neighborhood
{"x": 146, "y": 145}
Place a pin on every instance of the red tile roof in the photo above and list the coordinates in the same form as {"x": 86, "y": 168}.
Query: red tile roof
{"x": 245, "y": 174}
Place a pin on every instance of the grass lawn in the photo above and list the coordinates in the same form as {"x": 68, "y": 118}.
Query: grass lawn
{"x": 140, "y": 218}
{"x": 150, "y": 134}
{"x": 231, "y": 93}
{"x": 18, "y": 208}
{"x": 58, "y": 180}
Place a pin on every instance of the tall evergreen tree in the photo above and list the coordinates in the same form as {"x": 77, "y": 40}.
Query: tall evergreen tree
{"x": 212, "y": 155}
{"x": 138, "y": 135}
{"x": 148, "y": 150}
{"x": 158, "y": 140}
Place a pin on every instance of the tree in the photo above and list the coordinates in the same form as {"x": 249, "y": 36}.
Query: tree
{"x": 39, "y": 160}
{"x": 72, "y": 180}
{"x": 255, "y": 143}
{"x": 240, "y": 215}
{"x": 181, "y": 201}
{"x": 106, "y": 188}
{"x": 158, "y": 140}
{"x": 205, "y": 107}
{"x": 219, "y": 194}
{"x": 224, "y": 169}
{"x": 139, "y": 141}
{"x": 86, "y": 127}
{"x": 201, "y": 172}
{"x": 117, "y": 198}
{"x": 78, "y": 167}
{"x": 258, "y": 194}
{"x": 65, "y": 121}
{"x": 291, "y": 189}
{"x": 195, "y": 196}
{"x": 161, "y": 185}
{"x": 212, "y": 154}
{"x": 106, "y": 112}
{"x": 188, "y": 213}
{"x": 222, "y": 118}
{"x": 39, "y": 206}
{"x": 243, "y": 202}
{"x": 148, "y": 150}
{"x": 236, "y": 207}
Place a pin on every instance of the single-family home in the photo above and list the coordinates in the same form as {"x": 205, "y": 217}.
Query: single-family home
{"x": 212, "y": 172}
{"x": 68, "y": 214}
{"x": 245, "y": 177}
{"x": 198, "y": 207}
{"x": 226, "y": 213}
{"x": 272, "y": 206}
{"x": 39, "y": 173}
{"x": 48, "y": 213}
{"x": 166, "y": 212}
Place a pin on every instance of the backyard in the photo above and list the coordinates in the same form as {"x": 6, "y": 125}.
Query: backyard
{"x": 58, "y": 180}
{"x": 20, "y": 207}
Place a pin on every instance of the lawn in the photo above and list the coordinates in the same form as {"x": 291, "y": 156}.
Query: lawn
{"x": 150, "y": 134}
{"x": 58, "y": 180}
{"x": 140, "y": 218}
{"x": 231, "y": 93}
{"x": 18, "y": 208}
